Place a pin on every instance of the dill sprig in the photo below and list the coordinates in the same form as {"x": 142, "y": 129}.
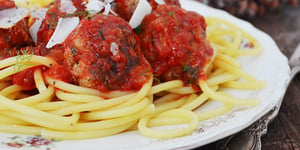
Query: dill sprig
{"x": 171, "y": 13}
{"x": 83, "y": 14}
{"x": 101, "y": 34}
{"x": 22, "y": 59}
{"x": 192, "y": 72}
{"x": 147, "y": 73}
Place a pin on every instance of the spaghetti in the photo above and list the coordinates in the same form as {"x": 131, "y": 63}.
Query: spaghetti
{"x": 62, "y": 110}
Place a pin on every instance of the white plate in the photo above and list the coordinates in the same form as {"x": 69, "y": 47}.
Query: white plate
{"x": 271, "y": 65}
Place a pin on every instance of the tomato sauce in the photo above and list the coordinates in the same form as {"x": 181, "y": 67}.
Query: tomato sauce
{"x": 60, "y": 72}
{"x": 5, "y": 4}
{"x": 16, "y": 36}
{"x": 104, "y": 53}
{"x": 168, "y": 2}
{"x": 25, "y": 79}
{"x": 125, "y": 8}
{"x": 49, "y": 23}
{"x": 174, "y": 41}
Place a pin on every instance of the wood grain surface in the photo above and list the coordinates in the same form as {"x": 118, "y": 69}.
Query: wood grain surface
{"x": 284, "y": 131}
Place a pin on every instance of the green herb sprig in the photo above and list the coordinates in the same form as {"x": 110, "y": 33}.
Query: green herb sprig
{"x": 22, "y": 59}
{"x": 171, "y": 13}
{"x": 192, "y": 72}
{"x": 147, "y": 73}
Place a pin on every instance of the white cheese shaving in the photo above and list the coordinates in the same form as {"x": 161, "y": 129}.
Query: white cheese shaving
{"x": 160, "y": 2}
{"x": 143, "y": 8}
{"x": 39, "y": 15}
{"x": 96, "y": 6}
{"x": 67, "y": 6}
{"x": 64, "y": 27}
{"x": 114, "y": 48}
{"x": 9, "y": 17}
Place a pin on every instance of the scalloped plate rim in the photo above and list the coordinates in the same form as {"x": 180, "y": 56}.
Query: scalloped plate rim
{"x": 215, "y": 132}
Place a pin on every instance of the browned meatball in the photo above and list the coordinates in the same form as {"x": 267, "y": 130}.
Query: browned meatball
{"x": 16, "y": 36}
{"x": 52, "y": 16}
{"x": 104, "y": 53}
{"x": 4, "y": 4}
{"x": 168, "y": 2}
{"x": 174, "y": 41}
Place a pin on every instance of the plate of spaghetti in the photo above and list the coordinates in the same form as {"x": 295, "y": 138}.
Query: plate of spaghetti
{"x": 131, "y": 74}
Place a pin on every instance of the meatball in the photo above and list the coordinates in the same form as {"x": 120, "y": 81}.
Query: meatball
{"x": 104, "y": 53}
{"x": 173, "y": 40}
{"x": 56, "y": 11}
{"x": 4, "y": 4}
{"x": 17, "y": 35}
{"x": 49, "y": 23}
{"x": 126, "y": 8}
{"x": 168, "y": 2}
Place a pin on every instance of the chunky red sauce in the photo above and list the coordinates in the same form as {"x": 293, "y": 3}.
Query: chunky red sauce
{"x": 60, "y": 72}
{"x": 16, "y": 36}
{"x": 173, "y": 40}
{"x": 168, "y": 2}
{"x": 125, "y": 8}
{"x": 104, "y": 53}
{"x": 25, "y": 79}
{"x": 49, "y": 23}
{"x": 4, "y": 4}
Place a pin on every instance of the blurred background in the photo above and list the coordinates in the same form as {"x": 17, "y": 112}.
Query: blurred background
{"x": 251, "y": 8}
{"x": 281, "y": 20}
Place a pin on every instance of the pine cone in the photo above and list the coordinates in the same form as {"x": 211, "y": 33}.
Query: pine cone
{"x": 250, "y": 8}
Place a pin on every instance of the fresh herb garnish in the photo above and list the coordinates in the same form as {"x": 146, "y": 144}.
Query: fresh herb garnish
{"x": 83, "y": 14}
{"x": 147, "y": 73}
{"x": 22, "y": 59}
{"x": 7, "y": 51}
{"x": 74, "y": 51}
{"x": 193, "y": 72}
{"x": 171, "y": 13}
{"x": 137, "y": 29}
{"x": 101, "y": 34}
{"x": 53, "y": 20}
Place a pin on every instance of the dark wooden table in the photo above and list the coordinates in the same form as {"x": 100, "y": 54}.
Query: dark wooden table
{"x": 284, "y": 131}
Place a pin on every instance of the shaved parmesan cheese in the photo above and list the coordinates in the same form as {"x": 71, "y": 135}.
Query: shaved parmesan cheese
{"x": 64, "y": 27}
{"x": 67, "y": 6}
{"x": 143, "y": 8}
{"x": 9, "y": 17}
{"x": 96, "y": 6}
{"x": 39, "y": 15}
{"x": 160, "y": 2}
{"x": 107, "y": 8}
{"x": 114, "y": 48}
